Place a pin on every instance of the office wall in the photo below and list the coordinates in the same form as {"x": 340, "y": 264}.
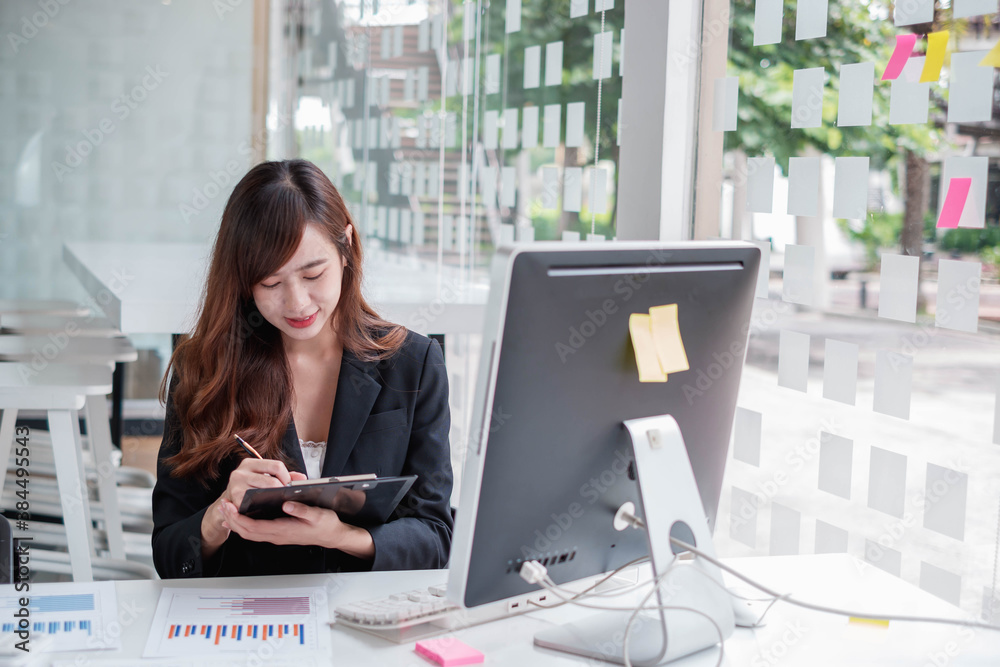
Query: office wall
{"x": 119, "y": 121}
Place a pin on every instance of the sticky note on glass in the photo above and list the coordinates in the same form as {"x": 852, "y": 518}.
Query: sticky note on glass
{"x": 975, "y": 168}
{"x": 448, "y": 651}
{"x": 954, "y": 202}
{"x": 810, "y": 19}
{"x": 803, "y": 186}
{"x": 857, "y": 86}
{"x": 908, "y": 98}
{"x": 970, "y": 91}
{"x": 897, "y": 299}
{"x": 760, "y": 184}
{"x": 991, "y": 59}
{"x": 887, "y": 482}
{"x": 964, "y": 8}
{"x": 767, "y": 22}
{"x": 807, "y": 97}
{"x": 850, "y": 188}
{"x": 957, "y": 305}
{"x": 900, "y": 54}
{"x": 667, "y": 339}
{"x": 937, "y": 45}
{"x": 640, "y": 328}
{"x": 727, "y": 90}
{"x": 910, "y": 12}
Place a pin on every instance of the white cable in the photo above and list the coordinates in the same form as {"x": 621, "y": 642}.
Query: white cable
{"x": 831, "y": 610}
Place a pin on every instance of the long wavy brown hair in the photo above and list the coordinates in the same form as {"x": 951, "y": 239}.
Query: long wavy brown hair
{"x": 231, "y": 374}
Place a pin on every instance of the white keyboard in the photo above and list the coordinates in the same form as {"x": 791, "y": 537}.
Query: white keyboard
{"x": 397, "y": 610}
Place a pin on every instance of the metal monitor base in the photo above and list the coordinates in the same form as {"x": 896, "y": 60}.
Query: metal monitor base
{"x": 671, "y": 506}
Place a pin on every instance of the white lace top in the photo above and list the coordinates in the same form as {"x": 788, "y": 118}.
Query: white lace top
{"x": 313, "y": 453}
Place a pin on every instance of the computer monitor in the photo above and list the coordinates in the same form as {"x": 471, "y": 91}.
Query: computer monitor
{"x": 552, "y": 462}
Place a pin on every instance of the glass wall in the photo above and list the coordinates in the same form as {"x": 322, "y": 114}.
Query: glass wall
{"x": 860, "y": 154}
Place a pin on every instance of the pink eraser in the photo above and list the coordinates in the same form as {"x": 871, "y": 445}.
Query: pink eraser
{"x": 449, "y": 651}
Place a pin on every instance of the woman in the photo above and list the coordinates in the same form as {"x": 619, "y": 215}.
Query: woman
{"x": 288, "y": 355}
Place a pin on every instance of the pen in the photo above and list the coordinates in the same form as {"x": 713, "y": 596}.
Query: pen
{"x": 250, "y": 450}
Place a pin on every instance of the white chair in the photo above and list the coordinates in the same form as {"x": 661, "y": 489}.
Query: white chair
{"x": 61, "y": 390}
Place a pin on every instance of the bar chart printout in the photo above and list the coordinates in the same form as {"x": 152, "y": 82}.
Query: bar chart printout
{"x": 74, "y": 617}
{"x": 201, "y": 622}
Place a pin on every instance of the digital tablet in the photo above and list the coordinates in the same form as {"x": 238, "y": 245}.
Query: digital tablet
{"x": 360, "y": 500}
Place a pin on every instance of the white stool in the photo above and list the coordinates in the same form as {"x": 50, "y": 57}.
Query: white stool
{"x": 62, "y": 390}
{"x": 43, "y": 307}
{"x": 37, "y": 352}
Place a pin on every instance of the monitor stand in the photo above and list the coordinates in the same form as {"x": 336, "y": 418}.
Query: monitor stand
{"x": 672, "y": 507}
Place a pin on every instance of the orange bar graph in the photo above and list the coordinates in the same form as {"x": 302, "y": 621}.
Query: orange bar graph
{"x": 218, "y": 633}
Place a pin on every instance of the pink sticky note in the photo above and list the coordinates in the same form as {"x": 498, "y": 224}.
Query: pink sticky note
{"x": 448, "y": 651}
{"x": 954, "y": 202}
{"x": 904, "y": 47}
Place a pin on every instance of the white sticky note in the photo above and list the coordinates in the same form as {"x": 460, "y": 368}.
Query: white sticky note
{"x": 940, "y": 582}
{"x": 803, "y": 186}
{"x": 550, "y": 188}
{"x": 513, "y": 16}
{"x": 532, "y": 66}
{"x": 961, "y": 9}
{"x": 760, "y": 184}
{"x": 909, "y": 12}
{"x": 763, "y": 269}
{"x": 893, "y": 378}
{"x": 578, "y": 8}
{"x": 746, "y": 436}
{"x": 553, "y": 63}
{"x": 724, "y": 103}
{"x": 393, "y": 224}
{"x": 529, "y": 127}
{"x": 798, "y": 282}
{"x": 810, "y": 19}
{"x": 604, "y": 5}
{"x": 949, "y": 489}
{"x": 857, "y": 87}
{"x": 830, "y": 539}
{"x": 448, "y": 232}
{"x": 793, "y": 360}
{"x": 599, "y": 190}
{"x": 572, "y": 188}
{"x": 970, "y": 90}
{"x": 604, "y": 46}
{"x": 551, "y": 125}
{"x": 976, "y": 168}
{"x": 385, "y": 50}
{"x": 836, "y": 456}
{"x": 743, "y": 517}
{"x": 996, "y": 416}
{"x": 574, "y": 123}
{"x": 897, "y": 296}
{"x": 492, "y": 84}
{"x": 957, "y": 301}
{"x": 423, "y": 80}
{"x": 840, "y": 371}
{"x": 510, "y": 133}
{"x": 570, "y": 236}
{"x": 490, "y": 120}
{"x": 785, "y": 530}
{"x": 508, "y": 186}
{"x": 886, "y": 559}
{"x": 908, "y": 98}
{"x": 397, "y": 41}
{"x": 767, "y": 22}
{"x": 488, "y": 186}
{"x": 807, "y": 97}
{"x": 887, "y": 481}
{"x": 850, "y": 188}
{"x": 424, "y": 35}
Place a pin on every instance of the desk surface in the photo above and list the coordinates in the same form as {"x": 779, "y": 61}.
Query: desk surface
{"x": 791, "y": 637}
{"x": 156, "y": 287}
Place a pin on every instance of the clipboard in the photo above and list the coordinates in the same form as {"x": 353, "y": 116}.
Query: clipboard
{"x": 360, "y": 500}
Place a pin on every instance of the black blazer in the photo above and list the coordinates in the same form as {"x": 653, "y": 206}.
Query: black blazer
{"x": 390, "y": 418}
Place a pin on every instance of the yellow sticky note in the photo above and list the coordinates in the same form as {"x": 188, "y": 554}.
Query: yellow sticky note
{"x": 640, "y": 328}
{"x": 992, "y": 58}
{"x": 937, "y": 45}
{"x": 869, "y": 621}
{"x": 667, "y": 339}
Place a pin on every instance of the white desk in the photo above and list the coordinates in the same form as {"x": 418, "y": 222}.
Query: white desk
{"x": 792, "y": 636}
{"x": 156, "y": 287}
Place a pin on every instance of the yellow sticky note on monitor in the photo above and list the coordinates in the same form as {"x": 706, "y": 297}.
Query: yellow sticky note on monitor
{"x": 667, "y": 339}
{"x": 641, "y": 330}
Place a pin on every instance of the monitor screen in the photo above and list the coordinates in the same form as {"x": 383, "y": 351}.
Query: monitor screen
{"x": 559, "y": 375}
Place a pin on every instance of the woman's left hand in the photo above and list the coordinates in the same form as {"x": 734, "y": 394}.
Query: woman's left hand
{"x": 305, "y": 525}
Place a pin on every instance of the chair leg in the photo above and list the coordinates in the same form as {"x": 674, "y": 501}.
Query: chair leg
{"x": 96, "y": 412}
{"x": 7, "y": 421}
{"x": 75, "y": 503}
